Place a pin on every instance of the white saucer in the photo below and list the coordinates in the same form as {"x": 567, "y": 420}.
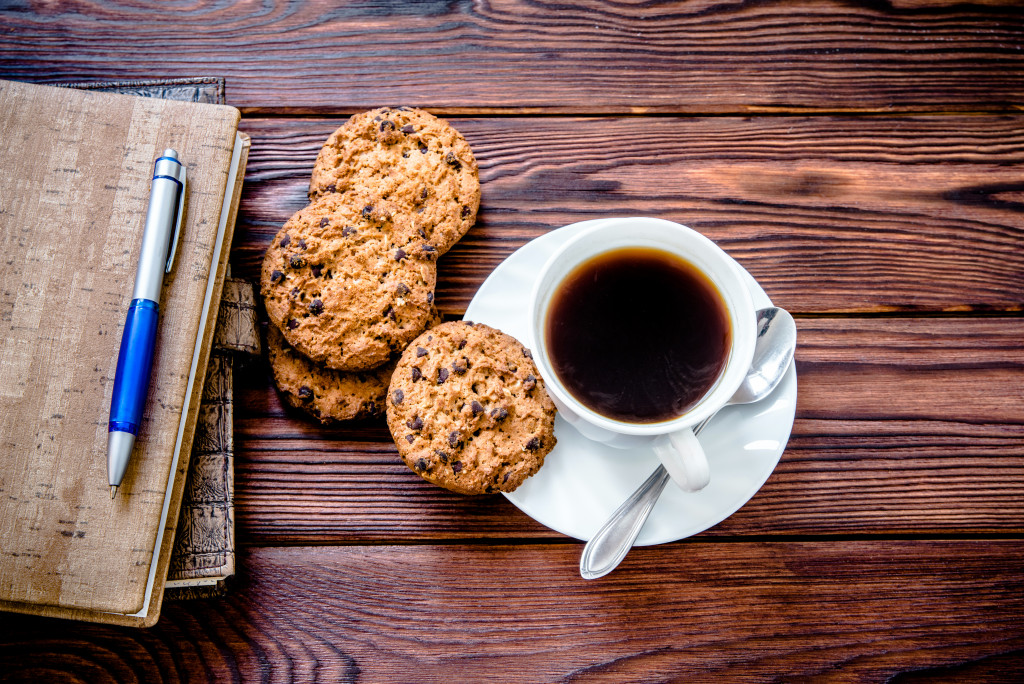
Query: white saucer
{"x": 583, "y": 482}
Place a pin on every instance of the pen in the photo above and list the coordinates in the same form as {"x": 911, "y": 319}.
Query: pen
{"x": 135, "y": 359}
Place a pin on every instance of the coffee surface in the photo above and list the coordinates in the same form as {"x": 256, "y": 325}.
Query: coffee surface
{"x": 638, "y": 335}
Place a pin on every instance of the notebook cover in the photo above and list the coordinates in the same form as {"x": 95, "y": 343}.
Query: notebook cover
{"x": 75, "y": 170}
{"x": 203, "y": 557}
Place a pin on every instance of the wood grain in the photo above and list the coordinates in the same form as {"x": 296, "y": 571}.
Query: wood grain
{"x": 904, "y": 426}
{"x": 830, "y": 214}
{"x": 521, "y": 56}
{"x": 885, "y": 546}
{"x": 843, "y": 611}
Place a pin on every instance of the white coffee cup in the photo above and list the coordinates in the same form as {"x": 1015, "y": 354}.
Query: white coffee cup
{"x": 672, "y": 440}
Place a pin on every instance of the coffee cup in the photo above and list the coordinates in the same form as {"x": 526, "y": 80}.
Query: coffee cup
{"x": 643, "y": 328}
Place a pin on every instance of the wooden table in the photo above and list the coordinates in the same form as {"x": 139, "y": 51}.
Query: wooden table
{"x": 860, "y": 159}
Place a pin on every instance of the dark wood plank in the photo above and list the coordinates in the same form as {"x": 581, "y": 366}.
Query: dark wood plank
{"x": 868, "y": 611}
{"x": 904, "y": 426}
{"x": 518, "y": 56}
{"x": 830, "y": 214}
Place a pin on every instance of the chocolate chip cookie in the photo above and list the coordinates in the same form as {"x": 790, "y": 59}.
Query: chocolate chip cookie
{"x": 346, "y": 283}
{"x": 408, "y": 157}
{"x": 468, "y": 410}
{"x": 326, "y": 394}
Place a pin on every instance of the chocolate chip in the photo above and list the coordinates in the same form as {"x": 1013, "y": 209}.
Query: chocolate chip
{"x": 397, "y": 397}
{"x": 402, "y": 289}
{"x": 442, "y": 375}
{"x": 415, "y": 424}
{"x": 324, "y": 222}
{"x": 462, "y": 344}
{"x": 302, "y": 244}
{"x": 421, "y": 464}
{"x": 399, "y": 254}
{"x": 476, "y": 407}
{"x": 297, "y": 262}
{"x": 429, "y": 249}
{"x": 527, "y": 353}
{"x": 305, "y": 393}
{"x": 420, "y": 352}
{"x": 499, "y": 414}
{"x": 457, "y": 466}
{"x": 292, "y": 324}
{"x": 331, "y": 188}
{"x": 423, "y": 148}
{"x": 533, "y": 444}
{"x": 371, "y": 408}
{"x": 317, "y": 270}
{"x": 410, "y": 438}
{"x": 286, "y": 240}
{"x": 424, "y": 193}
{"x": 453, "y": 161}
{"x": 466, "y": 211}
{"x": 460, "y": 366}
{"x": 316, "y": 307}
{"x": 295, "y": 292}
{"x": 386, "y": 125}
{"x": 430, "y": 298}
{"x": 530, "y": 382}
{"x": 276, "y": 276}
{"x": 407, "y": 128}
{"x": 505, "y": 479}
{"x": 441, "y": 455}
{"x": 423, "y": 233}
{"x": 390, "y": 313}
{"x": 416, "y": 374}
{"x": 367, "y": 211}
{"x": 347, "y": 230}
{"x": 454, "y": 438}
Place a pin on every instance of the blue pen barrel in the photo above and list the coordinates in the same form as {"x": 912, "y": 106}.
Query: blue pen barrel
{"x": 134, "y": 361}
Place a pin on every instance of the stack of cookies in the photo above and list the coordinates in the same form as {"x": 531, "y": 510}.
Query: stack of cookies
{"x": 348, "y": 283}
{"x": 349, "y": 280}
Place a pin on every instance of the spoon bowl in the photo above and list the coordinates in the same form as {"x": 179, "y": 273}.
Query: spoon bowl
{"x": 773, "y": 355}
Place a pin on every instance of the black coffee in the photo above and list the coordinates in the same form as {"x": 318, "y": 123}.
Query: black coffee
{"x": 638, "y": 335}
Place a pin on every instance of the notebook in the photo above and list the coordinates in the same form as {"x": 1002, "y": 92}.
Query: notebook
{"x": 203, "y": 558}
{"x": 75, "y": 170}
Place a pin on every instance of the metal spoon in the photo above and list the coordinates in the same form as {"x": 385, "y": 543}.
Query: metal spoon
{"x": 773, "y": 354}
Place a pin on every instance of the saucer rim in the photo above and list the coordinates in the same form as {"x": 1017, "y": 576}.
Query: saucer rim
{"x": 789, "y": 386}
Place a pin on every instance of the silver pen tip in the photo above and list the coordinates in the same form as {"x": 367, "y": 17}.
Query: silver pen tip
{"x": 113, "y": 491}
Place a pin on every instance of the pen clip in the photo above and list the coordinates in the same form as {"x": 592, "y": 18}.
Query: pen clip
{"x": 173, "y": 247}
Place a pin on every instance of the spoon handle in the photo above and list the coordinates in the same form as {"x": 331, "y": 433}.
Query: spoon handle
{"x": 609, "y": 546}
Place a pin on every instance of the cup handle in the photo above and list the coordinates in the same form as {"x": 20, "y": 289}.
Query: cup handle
{"x": 684, "y": 459}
